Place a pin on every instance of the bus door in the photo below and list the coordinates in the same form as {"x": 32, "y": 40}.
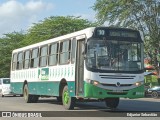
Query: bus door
{"x": 80, "y": 67}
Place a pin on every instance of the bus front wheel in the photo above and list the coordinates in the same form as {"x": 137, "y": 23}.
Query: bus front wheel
{"x": 29, "y": 98}
{"x": 68, "y": 102}
{"x": 112, "y": 103}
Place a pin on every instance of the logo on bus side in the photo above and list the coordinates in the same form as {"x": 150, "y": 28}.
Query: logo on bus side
{"x": 43, "y": 74}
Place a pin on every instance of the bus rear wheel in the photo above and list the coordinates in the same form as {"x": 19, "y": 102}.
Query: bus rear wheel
{"x": 68, "y": 102}
{"x": 112, "y": 103}
{"x": 27, "y": 97}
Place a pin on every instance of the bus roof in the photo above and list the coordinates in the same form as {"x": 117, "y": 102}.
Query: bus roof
{"x": 87, "y": 31}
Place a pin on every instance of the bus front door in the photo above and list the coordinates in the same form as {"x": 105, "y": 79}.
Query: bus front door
{"x": 80, "y": 67}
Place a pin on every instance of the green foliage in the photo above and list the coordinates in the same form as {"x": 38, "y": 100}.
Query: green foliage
{"x": 8, "y": 43}
{"x": 137, "y": 14}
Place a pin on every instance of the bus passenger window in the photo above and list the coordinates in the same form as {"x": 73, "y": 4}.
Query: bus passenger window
{"x": 73, "y": 50}
{"x": 26, "y": 59}
{"x": 53, "y": 54}
{"x": 43, "y": 56}
{"x": 65, "y": 52}
{"x": 14, "y": 60}
{"x": 20, "y": 61}
{"x": 34, "y": 58}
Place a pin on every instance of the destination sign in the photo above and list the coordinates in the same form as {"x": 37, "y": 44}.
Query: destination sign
{"x": 116, "y": 33}
{"x": 123, "y": 33}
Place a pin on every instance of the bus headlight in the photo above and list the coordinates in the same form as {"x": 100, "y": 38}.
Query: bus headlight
{"x": 138, "y": 83}
{"x": 93, "y": 82}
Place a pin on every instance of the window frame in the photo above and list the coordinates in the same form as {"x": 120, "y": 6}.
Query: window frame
{"x": 56, "y": 54}
{"x": 28, "y": 59}
{"x": 14, "y": 61}
{"x": 62, "y": 52}
{"x": 32, "y": 60}
{"x": 73, "y": 50}
{"x": 19, "y": 65}
{"x": 41, "y": 56}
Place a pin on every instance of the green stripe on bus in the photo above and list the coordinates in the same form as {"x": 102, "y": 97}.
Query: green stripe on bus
{"x": 50, "y": 88}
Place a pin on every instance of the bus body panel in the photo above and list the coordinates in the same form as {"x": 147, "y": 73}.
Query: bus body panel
{"x": 44, "y": 81}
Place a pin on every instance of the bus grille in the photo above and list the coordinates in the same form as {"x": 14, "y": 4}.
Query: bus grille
{"x": 117, "y": 76}
{"x": 117, "y": 93}
{"x": 114, "y": 85}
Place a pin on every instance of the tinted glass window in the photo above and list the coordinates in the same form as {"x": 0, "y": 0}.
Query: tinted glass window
{"x": 73, "y": 50}
{"x": 65, "y": 52}
{"x": 14, "y": 61}
{"x": 43, "y": 56}
{"x": 20, "y": 61}
{"x": 26, "y": 59}
{"x": 34, "y": 58}
{"x": 53, "y": 54}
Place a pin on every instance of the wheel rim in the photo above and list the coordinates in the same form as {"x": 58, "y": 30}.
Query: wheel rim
{"x": 154, "y": 94}
{"x": 66, "y": 97}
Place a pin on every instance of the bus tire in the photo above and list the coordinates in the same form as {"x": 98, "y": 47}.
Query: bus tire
{"x": 112, "y": 103}
{"x": 27, "y": 97}
{"x": 68, "y": 102}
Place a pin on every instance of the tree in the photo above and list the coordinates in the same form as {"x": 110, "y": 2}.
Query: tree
{"x": 137, "y": 14}
{"x": 8, "y": 43}
{"x": 55, "y": 26}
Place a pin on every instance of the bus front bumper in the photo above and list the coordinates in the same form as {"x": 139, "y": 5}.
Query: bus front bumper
{"x": 92, "y": 91}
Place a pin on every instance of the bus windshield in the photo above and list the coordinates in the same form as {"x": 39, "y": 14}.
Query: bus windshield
{"x": 114, "y": 55}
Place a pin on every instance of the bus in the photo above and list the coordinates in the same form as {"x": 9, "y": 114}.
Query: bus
{"x": 97, "y": 63}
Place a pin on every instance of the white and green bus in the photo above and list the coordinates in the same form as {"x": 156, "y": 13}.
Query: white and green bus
{"x": 97, "y": 63}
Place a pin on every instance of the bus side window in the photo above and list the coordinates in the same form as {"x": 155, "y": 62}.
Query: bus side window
{"x": 65, "y": 52}
{"x": 34, "y": 58}
{"x": 20, "y": 61}
{"x": 73, "y": 50}
{"x": 26, "y": 59}
{"x": 53, "y": 54}
{"x": 43, "y": 56}
{"x": 14, "y": 60}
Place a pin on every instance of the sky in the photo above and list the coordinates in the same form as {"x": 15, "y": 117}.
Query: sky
{"x": 19, "y": 15}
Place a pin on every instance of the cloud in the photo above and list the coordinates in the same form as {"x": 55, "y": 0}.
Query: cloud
{"x": 16, "y": 16}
